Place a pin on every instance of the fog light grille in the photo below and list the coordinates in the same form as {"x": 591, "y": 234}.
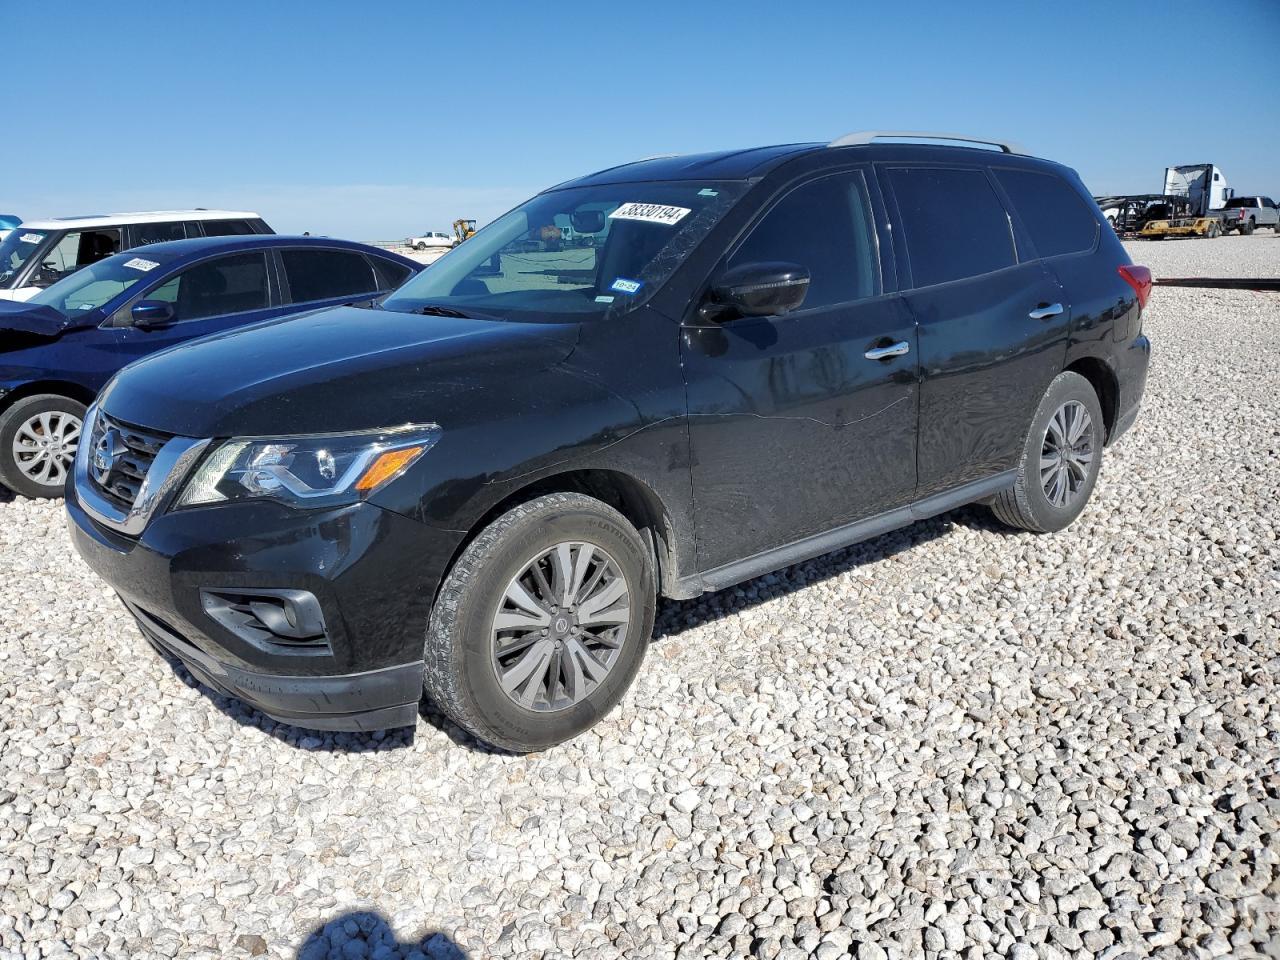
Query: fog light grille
{"x": 283, "y": 619}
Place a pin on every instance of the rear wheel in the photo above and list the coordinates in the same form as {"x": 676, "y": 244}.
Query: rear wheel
{"x": 542, "y": 623}
{"x": 1214, "y": 232}
{"x": 1247, "y": 228}
{"x": 38, "y": 440}
{"x": 1060, "y": 459}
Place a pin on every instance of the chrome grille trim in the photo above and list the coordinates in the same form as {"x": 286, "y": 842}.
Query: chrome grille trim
{"x": 168, "y": 466}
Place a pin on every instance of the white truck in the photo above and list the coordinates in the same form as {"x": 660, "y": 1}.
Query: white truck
{"x": 1248, "y": 213}
{"x": 1191, "y": 205}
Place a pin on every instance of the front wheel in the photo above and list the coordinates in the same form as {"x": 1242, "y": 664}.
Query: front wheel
{"x": 1060, "y": 459}
{"x": 38, "y": 440}
{"x": 542, "y": 623}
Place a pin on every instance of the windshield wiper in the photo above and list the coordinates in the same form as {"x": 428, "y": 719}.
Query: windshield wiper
{"x": 435, "y": 310}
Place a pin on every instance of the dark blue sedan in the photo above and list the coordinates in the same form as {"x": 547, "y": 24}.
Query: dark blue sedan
{"x": 60, "y": 348}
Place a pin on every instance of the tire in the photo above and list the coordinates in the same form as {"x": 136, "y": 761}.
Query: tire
{"x": 1214, "y": 232}
{"x": 1027, "y": 504}
{"x": 462, "y": 672}
{"x": 27, "y": 466}
{"x": 419, "y": 247}
{"x": 1247, "y": 228}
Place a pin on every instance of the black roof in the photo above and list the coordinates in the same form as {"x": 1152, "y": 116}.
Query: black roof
{"x": 755, "y": 162}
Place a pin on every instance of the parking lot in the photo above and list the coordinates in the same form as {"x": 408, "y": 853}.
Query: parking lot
{"x": 953, "y": 740}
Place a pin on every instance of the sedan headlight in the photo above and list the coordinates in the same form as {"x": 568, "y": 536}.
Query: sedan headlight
{"x": 313, "y": 470}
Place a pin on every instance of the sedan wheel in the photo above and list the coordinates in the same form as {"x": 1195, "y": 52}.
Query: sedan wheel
{"x": 38, "y": 440}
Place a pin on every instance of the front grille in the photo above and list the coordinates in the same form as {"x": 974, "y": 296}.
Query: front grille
{"x": 131, "y": 459}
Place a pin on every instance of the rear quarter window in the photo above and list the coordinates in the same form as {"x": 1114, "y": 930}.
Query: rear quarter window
{"x": 954, "y": 223}
{"x": 390, "y": 273}
{"x": 227, "y": 228}
{"x": 1054, "y": 214}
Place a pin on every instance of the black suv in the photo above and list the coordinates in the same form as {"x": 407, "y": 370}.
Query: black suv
{"x": 663, "y": 378}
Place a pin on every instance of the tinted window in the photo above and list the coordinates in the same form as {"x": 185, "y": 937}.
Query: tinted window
{"x": 232, "y": 284}
{"x": 1053, "y": 213}
{"x": 144, "y": 233}
{"x": 226, "y": 228}
{"x": 324, "y": 274}
{"x": 1237, "y": 202}
{"x": 955, "y": 225}
{"x": 824, "y": 226}
{"x": 390, "y": 273}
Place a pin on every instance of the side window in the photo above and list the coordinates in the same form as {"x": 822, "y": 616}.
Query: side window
{"x": 390, "y": 273}
{"x": 76, "y": 249}
{"x": 826, "y": 227}
{"x": 147, "y": 233}
{"x": 234, "y": 284}
{"x": 1053, "y": 213}
{"x": 326, "y": 274}
{"x": 226, "y": 228}
{"x": 955, "y": 225}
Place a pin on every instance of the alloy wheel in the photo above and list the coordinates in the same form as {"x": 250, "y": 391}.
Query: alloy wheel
{"x": 559, "y": 627}
{"x": 45, "y": 446}
{"x": 1067, "y": 453}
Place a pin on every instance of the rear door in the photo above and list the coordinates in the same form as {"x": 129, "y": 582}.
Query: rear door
{"x": 993, "y": 326}
{"x": 319, "y": 276}
{"x": 794, "y": 430}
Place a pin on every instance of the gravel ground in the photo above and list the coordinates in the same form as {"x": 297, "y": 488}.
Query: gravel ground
{"x": 952, "y": 741}
{"x": 1257, "y": 255}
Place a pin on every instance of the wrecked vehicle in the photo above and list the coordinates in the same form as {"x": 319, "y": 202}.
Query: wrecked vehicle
{"x": 60, "y": 347}
{"x": 481, "y": 488}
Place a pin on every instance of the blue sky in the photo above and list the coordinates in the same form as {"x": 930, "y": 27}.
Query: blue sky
{"x": 375, "y": 119}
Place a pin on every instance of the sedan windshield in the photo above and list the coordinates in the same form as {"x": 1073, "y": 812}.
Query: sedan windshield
{"x": 94, "y": 285}
{"x": 583, "y": 251}
{"x": 16, "y": 249}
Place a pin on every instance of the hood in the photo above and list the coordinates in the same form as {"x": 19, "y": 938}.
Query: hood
{"x": 40, "y": 320}
{"x": 336, "y": 370}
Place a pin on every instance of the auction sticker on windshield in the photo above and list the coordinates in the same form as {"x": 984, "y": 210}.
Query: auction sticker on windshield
{"x": 137, "y": 263}
{"x": 650, "y": 213}
{"x": 31, "y": 237}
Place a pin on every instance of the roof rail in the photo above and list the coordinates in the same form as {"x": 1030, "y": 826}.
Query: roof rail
{"x": 863, "y": 137}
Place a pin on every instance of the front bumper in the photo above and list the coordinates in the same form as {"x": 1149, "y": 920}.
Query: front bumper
{"x": 373, "y": 572}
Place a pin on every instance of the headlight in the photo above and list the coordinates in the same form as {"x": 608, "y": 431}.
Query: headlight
{"x": 307, "y": 471}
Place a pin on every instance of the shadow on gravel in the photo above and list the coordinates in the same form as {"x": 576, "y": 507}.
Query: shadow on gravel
{"x": 363, "y": 935}
{"x": 676, "y": 616}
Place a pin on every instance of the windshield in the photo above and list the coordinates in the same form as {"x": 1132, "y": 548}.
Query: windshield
{"x": 584, "y": 251}
{"x": 94, "y": 285}
{"x": 16, "y": 249}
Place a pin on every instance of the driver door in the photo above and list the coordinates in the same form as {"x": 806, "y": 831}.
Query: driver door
{"x": 807, "y": 421}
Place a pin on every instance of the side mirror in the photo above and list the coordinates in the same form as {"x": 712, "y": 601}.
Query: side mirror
{"x": 152, "y": 314}
{"x": 756, "y": 290}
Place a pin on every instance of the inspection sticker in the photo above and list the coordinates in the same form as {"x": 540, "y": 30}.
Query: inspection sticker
{"x": 31, "y": 238}
{"x": 604, "y": 299}
{"x": 650, "y": 213}
{"x": 137, "y": 263}
{"x": 622, "y": 285}
{"x": 708, "y": 192}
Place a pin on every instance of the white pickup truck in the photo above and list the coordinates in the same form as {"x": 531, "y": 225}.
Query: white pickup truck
{"x": 1247, "y": 213}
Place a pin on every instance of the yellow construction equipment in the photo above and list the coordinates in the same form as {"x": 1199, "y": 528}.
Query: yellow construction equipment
{"x": 463, "y": 229}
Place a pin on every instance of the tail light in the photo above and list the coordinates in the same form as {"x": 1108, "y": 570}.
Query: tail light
{"x": 1140, "y": 279}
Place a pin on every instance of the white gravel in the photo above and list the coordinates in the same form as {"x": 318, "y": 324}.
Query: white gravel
{"x": 952, "y": 741}
{"x": 1257, "y": 255}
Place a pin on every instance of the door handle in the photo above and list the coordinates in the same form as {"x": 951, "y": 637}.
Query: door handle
{"x": 1045, "y": 312}
{"x": 899, "y": 349}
